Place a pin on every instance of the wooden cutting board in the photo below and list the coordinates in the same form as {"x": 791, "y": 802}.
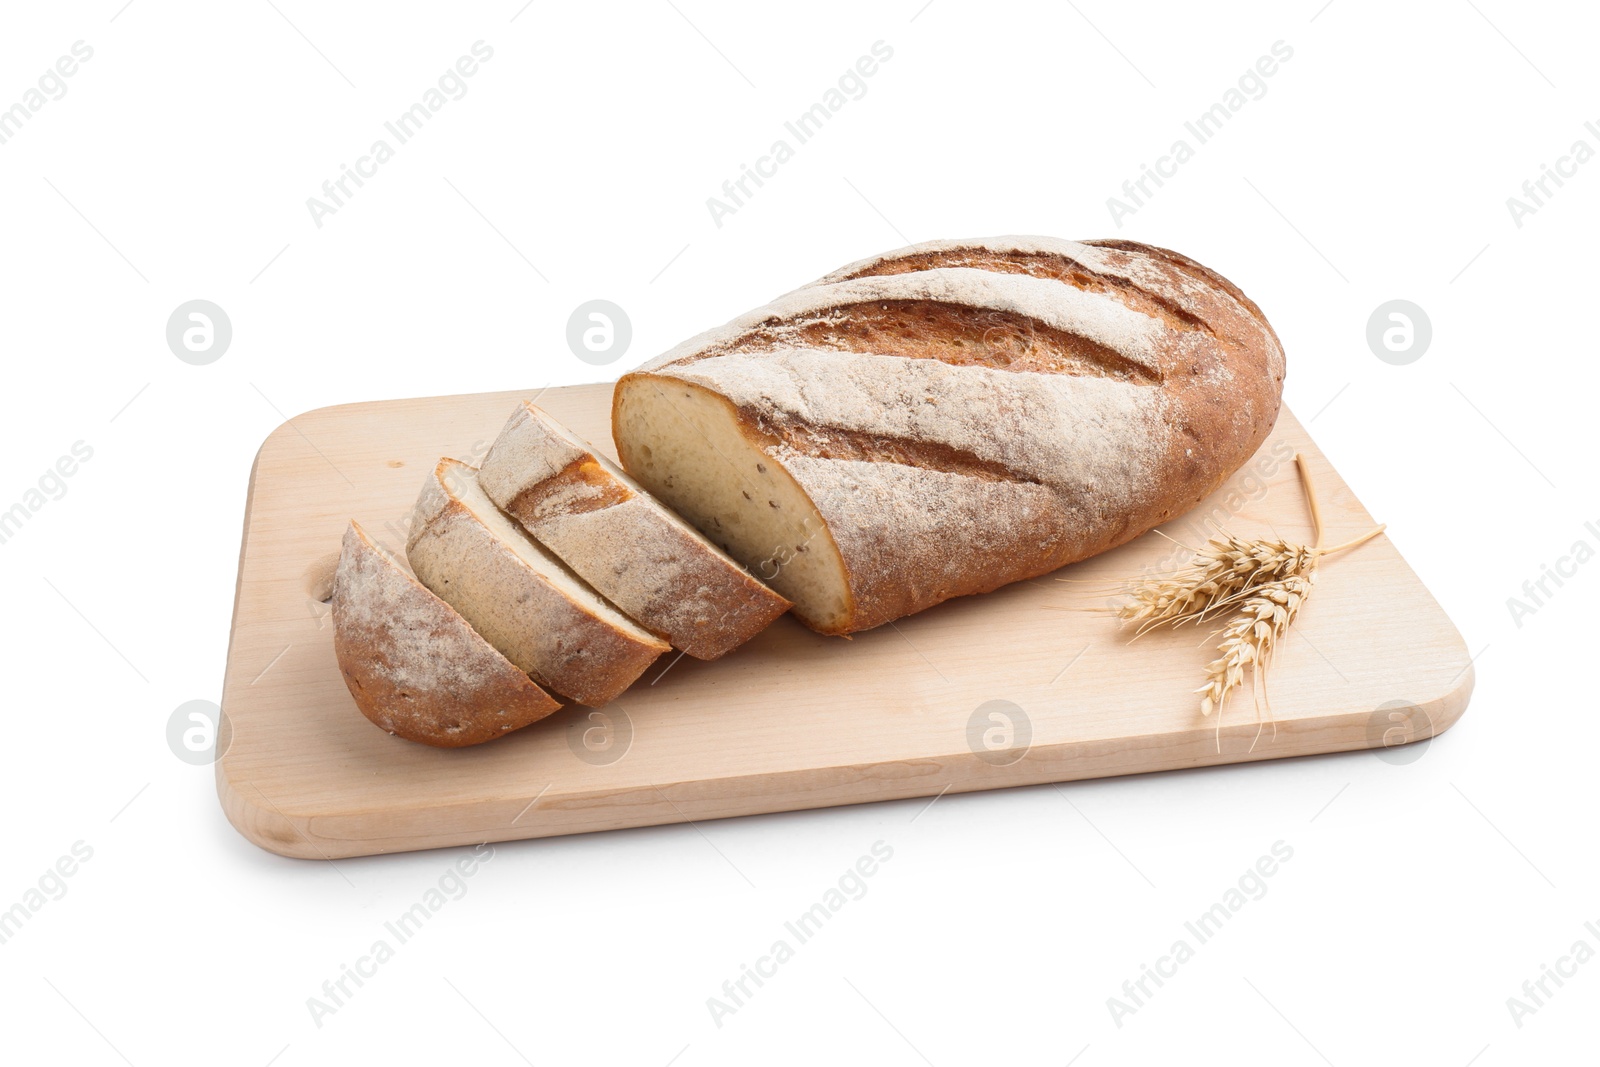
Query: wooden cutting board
{"x": 1033, "y": 683}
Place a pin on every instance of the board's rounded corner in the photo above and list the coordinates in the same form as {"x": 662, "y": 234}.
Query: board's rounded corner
{"x": 258, "y": 821}
{"x": 1441, "y": 713}
{"x": 288, "y": 426}
{"x": 1447, "y": 709}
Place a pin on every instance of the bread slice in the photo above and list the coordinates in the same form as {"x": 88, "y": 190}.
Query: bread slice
{"x": 633, "y": 549}
{"x": 540, "y": 615}
{"x": 414, "y": 666}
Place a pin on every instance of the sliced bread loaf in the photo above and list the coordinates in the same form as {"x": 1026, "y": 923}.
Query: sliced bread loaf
{"x": 633, "y": 549}
{"x": 413, "y": 664}
{"x": 951, "y": 417}
{"x": 522, "y": 599}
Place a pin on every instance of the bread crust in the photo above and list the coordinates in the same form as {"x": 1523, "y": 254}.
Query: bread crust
{"x": 633, "y": 550}
{"x": 415, "y": 667}
{"x": 965, "y": 414}
{"x": 560, "y": 636}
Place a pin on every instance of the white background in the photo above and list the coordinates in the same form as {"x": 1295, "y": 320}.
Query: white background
{"x": 1378, "y": 165}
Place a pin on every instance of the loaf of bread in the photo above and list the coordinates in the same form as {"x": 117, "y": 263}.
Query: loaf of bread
{"x": 523, "y": 601}
{"x": 954, "y": 416}
{"x": 642, "y": 557}
{"x": 414, "y": 666}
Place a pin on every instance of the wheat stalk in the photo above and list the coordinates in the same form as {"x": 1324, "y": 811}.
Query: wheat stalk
{"x": 1263, "y": 583}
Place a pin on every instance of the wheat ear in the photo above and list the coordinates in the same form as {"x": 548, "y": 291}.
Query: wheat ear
{"x": 1226, "y": 572}
{"x": 1251, "y": 638}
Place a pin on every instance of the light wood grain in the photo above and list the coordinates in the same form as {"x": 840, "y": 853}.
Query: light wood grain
{"x": 792, "y": 720}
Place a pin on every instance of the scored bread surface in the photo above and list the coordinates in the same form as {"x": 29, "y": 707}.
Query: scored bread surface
{"x": 416, "y": 667}
{"x": 520, "y": 598}
{"x": 646, "y": 560}
{"x": 951, "y": 417}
